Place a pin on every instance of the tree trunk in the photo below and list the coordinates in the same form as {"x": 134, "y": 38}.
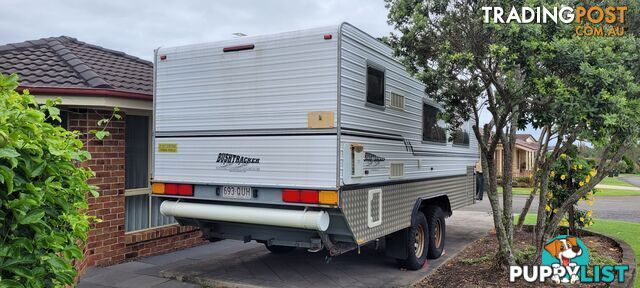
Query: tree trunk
{"x": 539, "y": 230}
{"x": 527, "y": 206}
{"x": 505, "y": 250}
{"x": 539, "y": 157}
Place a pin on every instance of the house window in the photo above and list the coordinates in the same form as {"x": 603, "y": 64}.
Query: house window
{"x": 375, "y": 86}
{"x": 136, "y": 153}
{"x": 431, "y": 129}
{"x": 141, "y": 210}
{"x": 64, "y": 120}
{"x": 461, "y": 137}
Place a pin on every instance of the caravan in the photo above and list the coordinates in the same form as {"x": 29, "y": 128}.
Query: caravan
{"x": 316, "y": 139}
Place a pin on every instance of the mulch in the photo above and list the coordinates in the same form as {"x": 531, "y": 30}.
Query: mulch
{"x": 473, "y": 267}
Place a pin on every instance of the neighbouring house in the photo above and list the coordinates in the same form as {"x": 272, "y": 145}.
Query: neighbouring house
{"x": 523, "y": 156}
{"x": 91, "y": 81}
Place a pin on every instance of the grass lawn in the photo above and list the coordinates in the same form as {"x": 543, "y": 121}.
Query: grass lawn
{"x": 615, "y": 181}
{"x": 626, "y": 231}
{"x": 601, "y": 192}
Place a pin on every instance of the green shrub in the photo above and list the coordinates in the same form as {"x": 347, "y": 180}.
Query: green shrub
{"x": 42, "y": 192}
{"x": 631, "y": 166}
{"x": 524, "y": 182}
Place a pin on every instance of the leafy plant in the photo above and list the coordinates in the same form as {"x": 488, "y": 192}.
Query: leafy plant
{"x": 569, "y": 174}
{"x": 42, "y": 192}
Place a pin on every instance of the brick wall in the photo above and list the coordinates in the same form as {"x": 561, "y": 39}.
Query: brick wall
{"x": 107, "y": 242}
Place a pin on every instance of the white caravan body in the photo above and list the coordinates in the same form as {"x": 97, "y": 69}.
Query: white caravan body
{"x": 290, "y": 111}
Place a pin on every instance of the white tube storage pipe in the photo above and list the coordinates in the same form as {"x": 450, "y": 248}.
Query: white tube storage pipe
{"x": 314, "y": 220}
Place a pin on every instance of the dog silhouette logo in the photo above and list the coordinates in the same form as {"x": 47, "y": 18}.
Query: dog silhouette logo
{"x": 565, "y": 254}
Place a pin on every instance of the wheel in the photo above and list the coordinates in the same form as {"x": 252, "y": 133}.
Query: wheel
{"x": 417, "y": 243}
{"x": 277, "y": 249}
{"x": 437, "y": 229}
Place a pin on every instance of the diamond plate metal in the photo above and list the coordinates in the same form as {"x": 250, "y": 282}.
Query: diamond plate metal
{"x": 398, "y": 201}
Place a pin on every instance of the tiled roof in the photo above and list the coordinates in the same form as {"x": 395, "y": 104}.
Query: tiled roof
{"x": 530, "y": 145}
{"x": 65, "y": 62}
{"x": 525, "y": 136}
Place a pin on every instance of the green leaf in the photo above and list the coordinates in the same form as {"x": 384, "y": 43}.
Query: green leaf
{"x": 9, "y": 283}
{"x": 7, "y": 178}
{"x": 8, "y": 152}
{"x": 102, "y": 134}
{"x": 32, "y": 217}
{"x": 57, "y": 263}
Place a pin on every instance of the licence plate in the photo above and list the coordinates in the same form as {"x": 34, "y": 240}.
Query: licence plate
{"x": 237, "y": 192}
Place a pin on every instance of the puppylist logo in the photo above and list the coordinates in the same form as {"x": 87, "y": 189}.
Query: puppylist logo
{"x": 565, "y": 259}
{"x": 589, "y": 21}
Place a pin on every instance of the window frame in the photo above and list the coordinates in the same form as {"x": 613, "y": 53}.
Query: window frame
{"x": 464, "y": 128}
{"x": 438, "y": 107}
{"x": 144, "y": 190}
{"x": 381, "y": 68}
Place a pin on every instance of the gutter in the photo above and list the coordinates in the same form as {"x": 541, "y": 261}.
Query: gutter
{"x": 85, "y": 92}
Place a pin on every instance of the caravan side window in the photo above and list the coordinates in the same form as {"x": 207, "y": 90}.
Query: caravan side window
{"x": 461, "y": 136}
{"x": 375, "y": 86}
{"x": 431, "y": 130}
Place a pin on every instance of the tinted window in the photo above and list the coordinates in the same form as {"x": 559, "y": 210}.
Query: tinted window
{"x": 431, "y": 131}
{"x": 136, "y": 159}
{"x": 375, "y": 86}
{"x": 461, "y": 137}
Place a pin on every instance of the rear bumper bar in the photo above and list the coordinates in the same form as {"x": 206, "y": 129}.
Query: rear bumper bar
{"x": 311, "y": 220}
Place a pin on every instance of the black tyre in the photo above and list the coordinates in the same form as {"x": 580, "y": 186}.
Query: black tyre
{"x": 277, "y": 249}
{"x": 437, "y": 231}
{"x": 417, "y": 243}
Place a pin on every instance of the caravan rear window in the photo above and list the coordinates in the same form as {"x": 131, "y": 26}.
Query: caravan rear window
{"x": 431, "y": 130}
{"x": 375, "y": 86}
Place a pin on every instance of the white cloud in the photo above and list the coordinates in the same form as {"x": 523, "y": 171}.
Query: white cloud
{"x": 139, "y": 26}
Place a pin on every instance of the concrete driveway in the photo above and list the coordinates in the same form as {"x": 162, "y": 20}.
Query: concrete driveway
{"x": 231, "y": 263}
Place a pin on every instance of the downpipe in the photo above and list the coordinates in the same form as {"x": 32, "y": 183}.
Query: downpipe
{"x": 311, "y": 220}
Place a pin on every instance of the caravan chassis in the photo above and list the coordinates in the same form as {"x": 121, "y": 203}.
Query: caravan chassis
{"x": 350, "y": 226}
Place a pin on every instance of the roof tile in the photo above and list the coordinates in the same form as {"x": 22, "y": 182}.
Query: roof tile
{"x": 66, "y": 62}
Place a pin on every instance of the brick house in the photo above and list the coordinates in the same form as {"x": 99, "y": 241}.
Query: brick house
{"x": 91, "y": 80}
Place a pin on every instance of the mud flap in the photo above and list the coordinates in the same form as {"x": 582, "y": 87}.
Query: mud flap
{"x": 395, "y": 245}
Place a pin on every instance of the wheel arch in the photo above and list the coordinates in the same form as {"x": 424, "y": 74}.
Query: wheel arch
{"x": 441, "y": 201}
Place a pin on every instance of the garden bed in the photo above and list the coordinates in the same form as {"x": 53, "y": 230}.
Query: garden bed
{"x": 473, "y": 267}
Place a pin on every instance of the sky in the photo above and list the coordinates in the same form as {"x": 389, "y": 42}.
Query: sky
{"x": 137, "y": 27}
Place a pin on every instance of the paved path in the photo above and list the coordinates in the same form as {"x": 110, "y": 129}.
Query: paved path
{"x": 617, "y": 187}
{"x": 626, "y": 208}
{"x": 231, "y": 263}
{"x": 632, "y": 179}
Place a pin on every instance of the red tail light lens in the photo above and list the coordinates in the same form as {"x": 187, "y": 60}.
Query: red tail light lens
{"x": 171, "y": 189}
{"x": 185, "y": 189}
{"x": 309, "y": 196}
{"x": 291, "y": 195}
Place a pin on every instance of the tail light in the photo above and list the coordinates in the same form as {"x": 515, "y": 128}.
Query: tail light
{"x": 309, "y": 196}
{"x": 291, "y": 195}
{"x": 172, "y": 189}
{"x": 326, "y": 197}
